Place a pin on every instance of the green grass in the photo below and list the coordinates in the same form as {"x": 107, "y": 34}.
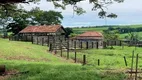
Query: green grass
{"x": 25, "y": 51}
{"x": 42, "y": 65}
{"x": 109, "y": 58}
{"x": 81, "y": 30}
{"x": 122, "y": 36}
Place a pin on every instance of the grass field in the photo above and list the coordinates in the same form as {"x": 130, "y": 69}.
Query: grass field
{"x": 42, "y": 65}
{"x": 109, "y": 58}
{"x": 81, "y": 30}
{"x": 122, "y": 36}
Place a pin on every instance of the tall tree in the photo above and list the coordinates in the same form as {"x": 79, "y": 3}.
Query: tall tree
{"x": 45, "y": 17}
{"x": 19, "y": 21}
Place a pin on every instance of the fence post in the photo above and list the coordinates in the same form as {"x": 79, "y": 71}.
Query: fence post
{"x": 87, "y": 45}
{"x": 108, "y": 43}
{"x": 92, "y": 44}
{"x": 120, "y": 43}
{"x": 75, "y": 57}
{"x": 26, "y": 38}
{"x": 61, "y": 47}
{"x": 98, "y": 62}
{"x": 84, "y": 59}
{"x": 50, "y": 47}
{"x": 125, "y": 60}
{"x": 48, "y": 41}
{"x": 42, "y": 41}
{"x": 74, "y": 44}
{"x": 81, "y": 45}
{"x": 2, "y": 69}
{"x": 97, "y": 45}
{"x": 32, "y": 40}
{"x": 136, "y": 66}
{"x": 115, "y": 43}
{"x": 68, "y": 49}
{"x": 132, "y": 63}
{"x": 37, "y": 39}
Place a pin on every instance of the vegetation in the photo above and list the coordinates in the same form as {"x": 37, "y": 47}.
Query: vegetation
{"x": 43, "y": 65}
{"x": 41, "y": 17}
{"x": 97, "y": 5}
{"x": 16, "y": 21}
{"x": 69, "y": 31}
{"x": 115, "y": 31}
{"x": 110, "y": 59}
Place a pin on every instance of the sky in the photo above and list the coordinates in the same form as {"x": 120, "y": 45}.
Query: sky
{"x": 129, "y": 12}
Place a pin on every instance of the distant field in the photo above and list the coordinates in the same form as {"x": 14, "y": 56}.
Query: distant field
{"x": 81, "y": 30}
{"x": 122, "y": 36}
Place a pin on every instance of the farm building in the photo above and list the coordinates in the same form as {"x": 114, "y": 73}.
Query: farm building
{"x": 43, "y": 34}
{"x": 92, "y": 39}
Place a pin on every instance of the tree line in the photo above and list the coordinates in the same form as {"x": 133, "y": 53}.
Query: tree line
{"x": 125, "y": 29}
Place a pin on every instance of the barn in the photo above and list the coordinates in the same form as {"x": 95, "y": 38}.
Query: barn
{"x": 43, "y": 34}
{"x": 92, "y": 39}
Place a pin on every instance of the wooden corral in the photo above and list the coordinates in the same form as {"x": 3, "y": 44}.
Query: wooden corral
{"x": 114, "y": 42}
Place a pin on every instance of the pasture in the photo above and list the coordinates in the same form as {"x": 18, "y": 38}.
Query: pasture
{"x": 42, "y": 65}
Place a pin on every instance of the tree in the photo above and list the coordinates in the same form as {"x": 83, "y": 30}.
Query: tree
{"x": 34, "y": 17}
{"x": 45, "y": 17}
{"x": 19, "y": 20}
{"x": 97, "y": 5}
{"x": 68, "y": 31}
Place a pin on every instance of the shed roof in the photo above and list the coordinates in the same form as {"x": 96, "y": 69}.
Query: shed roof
{"x": 91, "y": 34}
{"x": 34, "y": 29}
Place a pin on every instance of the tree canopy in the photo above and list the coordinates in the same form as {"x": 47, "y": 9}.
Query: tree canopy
{"x": 100, "y": 5}
{"x": 34, "y": 17}
{"x": 45, "y": 17}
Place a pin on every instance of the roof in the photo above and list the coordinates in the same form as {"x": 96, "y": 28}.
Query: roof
{"x": 34, "y": 29}
{"x": 91, "y": 34}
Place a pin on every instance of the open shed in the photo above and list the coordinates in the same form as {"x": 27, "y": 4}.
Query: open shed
{"x": 47, "y": 34}
{"x": 91, "y": 39}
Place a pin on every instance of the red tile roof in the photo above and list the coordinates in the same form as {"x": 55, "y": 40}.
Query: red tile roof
{"x": 33, "y": 29}
{"x": 91, "y": 34}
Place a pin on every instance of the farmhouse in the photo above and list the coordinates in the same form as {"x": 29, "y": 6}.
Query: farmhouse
{"x": 92, "y": 38}
{"x": 45, "y": 34}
